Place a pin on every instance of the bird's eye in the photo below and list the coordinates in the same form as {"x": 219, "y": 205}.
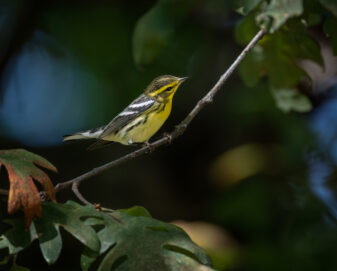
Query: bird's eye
{"x": 169, "y": 89}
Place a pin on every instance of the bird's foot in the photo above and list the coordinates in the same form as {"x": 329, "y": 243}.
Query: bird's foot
{"x": 169, "y": 137}
{"x": 148, "y": 146}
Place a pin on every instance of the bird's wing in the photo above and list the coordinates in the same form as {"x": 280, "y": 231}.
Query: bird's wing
{"x": 137, "y": 107}
{"x": 99, "y": 144}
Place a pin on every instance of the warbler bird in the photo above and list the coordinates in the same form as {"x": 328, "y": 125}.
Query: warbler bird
{"x": 139, "y": 121}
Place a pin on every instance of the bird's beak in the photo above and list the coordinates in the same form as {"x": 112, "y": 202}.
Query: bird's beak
{"x": 182, "y": 79}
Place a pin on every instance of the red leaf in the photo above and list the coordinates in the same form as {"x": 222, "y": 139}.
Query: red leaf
{"x": 20, "y": 165}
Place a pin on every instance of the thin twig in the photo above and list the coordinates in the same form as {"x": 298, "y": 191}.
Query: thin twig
{"x": 179, "y": 129}
{"x": 78, "y": 194}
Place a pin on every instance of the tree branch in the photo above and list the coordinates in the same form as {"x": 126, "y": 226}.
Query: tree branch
{"x": 78, "y": 194}
{"x": 179, "y": 129}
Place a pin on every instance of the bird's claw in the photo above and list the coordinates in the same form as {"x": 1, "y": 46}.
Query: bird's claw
{"x": 169, "y": 137}
{"x": 148, "y": 146}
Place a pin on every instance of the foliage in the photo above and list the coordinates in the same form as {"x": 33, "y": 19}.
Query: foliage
{"x": 277, "y": 55}
{"x": 20, "y": 165}
{"x": 153, "y": 32}
{"x": 277, "y": 12}
{"x": 127, "y": 239}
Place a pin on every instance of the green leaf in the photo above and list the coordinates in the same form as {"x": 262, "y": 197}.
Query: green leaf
{"x": 128, "y": 239}
{"x": 246, "y": 29}
{"x": 281, "y": 62}
{"x": 152, "y": 34}
{"x": 330, "y": 29}
{"x": 299, "y": 44}
{"x": 70, "y": 216}
{"x": 143, "y": 243}
{"x": 136, "y": 211}
{"x": 291, "y": 100}
{"x": 154, "y": 31}
{"x": 330, "y": 5}
{"x": 17, "y": 238}
{"x": 50, "y": 241}
{"x": 283, "y": 72}
{"x": 88, "y": 257}
{"x": 275, "y": 57}
{"x": 246, "y": 6}
{"x": 282, "y": 51}
{"x": 251, "y": 67}
{"x": 277, "y": 12}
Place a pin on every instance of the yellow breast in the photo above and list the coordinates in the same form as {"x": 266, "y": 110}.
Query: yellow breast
{"x": 142, "y": 128}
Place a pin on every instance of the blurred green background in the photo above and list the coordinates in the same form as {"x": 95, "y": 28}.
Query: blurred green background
{"x": 259, "y": 185}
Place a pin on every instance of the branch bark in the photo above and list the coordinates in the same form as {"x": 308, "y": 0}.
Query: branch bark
{"x": 78, "y": 194}
{"x": 179, "y": 129}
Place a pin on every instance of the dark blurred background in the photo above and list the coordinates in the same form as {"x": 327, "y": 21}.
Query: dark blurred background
{"x": 254, "y": 186}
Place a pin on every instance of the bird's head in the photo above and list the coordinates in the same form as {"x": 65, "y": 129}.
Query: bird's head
{"x": 164, "y": 86}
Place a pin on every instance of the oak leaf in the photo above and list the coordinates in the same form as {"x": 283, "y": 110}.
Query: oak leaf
{"x": 22, "y": 169}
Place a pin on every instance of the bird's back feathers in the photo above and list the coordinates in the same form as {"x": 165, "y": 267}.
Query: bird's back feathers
{"x": 138, "y": 106}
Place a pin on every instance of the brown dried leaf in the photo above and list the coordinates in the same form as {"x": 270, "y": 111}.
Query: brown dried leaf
{"x": 21, "y": 168}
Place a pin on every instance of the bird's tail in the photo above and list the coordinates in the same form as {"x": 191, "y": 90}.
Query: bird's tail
{"x": 94, "y": 133}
